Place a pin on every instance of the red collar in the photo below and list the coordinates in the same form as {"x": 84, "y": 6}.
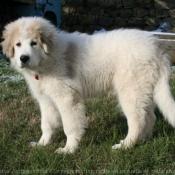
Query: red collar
{"x": 36, "y": 77}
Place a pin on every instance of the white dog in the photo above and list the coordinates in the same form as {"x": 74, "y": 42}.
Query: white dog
{"x": 64, "y": 69}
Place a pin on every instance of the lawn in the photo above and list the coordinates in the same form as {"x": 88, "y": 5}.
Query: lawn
{"x": 20, "y": 124}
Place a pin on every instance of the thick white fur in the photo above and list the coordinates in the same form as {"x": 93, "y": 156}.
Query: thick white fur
{"x": 73, "y": 67}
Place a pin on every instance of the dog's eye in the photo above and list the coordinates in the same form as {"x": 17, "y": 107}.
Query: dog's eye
{"x": 18, "y": 44}
{"x": 33, "y": 43}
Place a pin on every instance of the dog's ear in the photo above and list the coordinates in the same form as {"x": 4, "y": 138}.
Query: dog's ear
{"x": 47, "y": 41}
{"x": 7, "y": 45}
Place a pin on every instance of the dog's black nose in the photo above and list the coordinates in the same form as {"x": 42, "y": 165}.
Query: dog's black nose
{"x": 24, "y": 58}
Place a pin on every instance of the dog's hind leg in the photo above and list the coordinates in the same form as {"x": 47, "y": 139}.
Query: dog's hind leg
{"x": 135, "y": 105}
{"x": 150, "y": 122}
{"x": 50, "y": 121}
{"x": 136, "y": 125}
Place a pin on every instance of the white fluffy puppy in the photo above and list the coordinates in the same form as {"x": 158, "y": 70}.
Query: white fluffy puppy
{"x": 64, "y": 69}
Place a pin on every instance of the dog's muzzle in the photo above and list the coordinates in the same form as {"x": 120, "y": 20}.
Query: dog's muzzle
{"x": 24, "y": 60}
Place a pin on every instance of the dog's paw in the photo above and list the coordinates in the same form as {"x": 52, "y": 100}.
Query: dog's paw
{"x": 33, "y": 144}
{"x": 64, "y": 150}
{"x": 118, "y": 146}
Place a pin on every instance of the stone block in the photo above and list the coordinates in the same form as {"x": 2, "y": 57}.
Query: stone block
{"x": 126, "y": 13}
{"x": 74, "y": 3}
{"x": 105, "y": 21}
{"x": 87, "y": 19}
{"x": 152, "y": 22}
{"x": 129, "y": 3}
{"x": 95, "y": 10}
{"x": 152, "y": 12}
{"x": 81, "y": 10}
{"x": 140, "y": 12}
{"x": 70, "y": 19}
{"x": 164, "y": 4}
{"x": 110, "y": 3}
{"x": 136, "y": 22}
{"x": 162, "y": 13}
{"x": 120, "y": 22}
{"x": 111, "y": 13}
{"x": 68, "y": 10}
{"x": 145, "y": 3}
{"x": 160, "y": 5}
{"x": 172, "y": 13}
{"x": 91, "y": 3}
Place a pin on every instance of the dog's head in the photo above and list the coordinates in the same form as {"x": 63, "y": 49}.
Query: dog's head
{"x": 27, "y": 41}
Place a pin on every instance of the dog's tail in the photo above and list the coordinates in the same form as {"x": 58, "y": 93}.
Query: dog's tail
{"x": 162, "y": 93}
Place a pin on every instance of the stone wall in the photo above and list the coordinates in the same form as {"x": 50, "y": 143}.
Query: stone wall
{"x": 90, "y": 15}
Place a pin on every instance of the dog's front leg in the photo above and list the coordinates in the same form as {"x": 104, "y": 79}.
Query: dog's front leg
{"x": 50, "y": 120}
{"x": 74, "y": 121}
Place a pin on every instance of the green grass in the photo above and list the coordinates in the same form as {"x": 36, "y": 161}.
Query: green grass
{"x": 20, "y": 124}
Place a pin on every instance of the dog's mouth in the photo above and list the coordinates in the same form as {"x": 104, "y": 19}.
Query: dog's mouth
{"x": 25, "y": 65}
